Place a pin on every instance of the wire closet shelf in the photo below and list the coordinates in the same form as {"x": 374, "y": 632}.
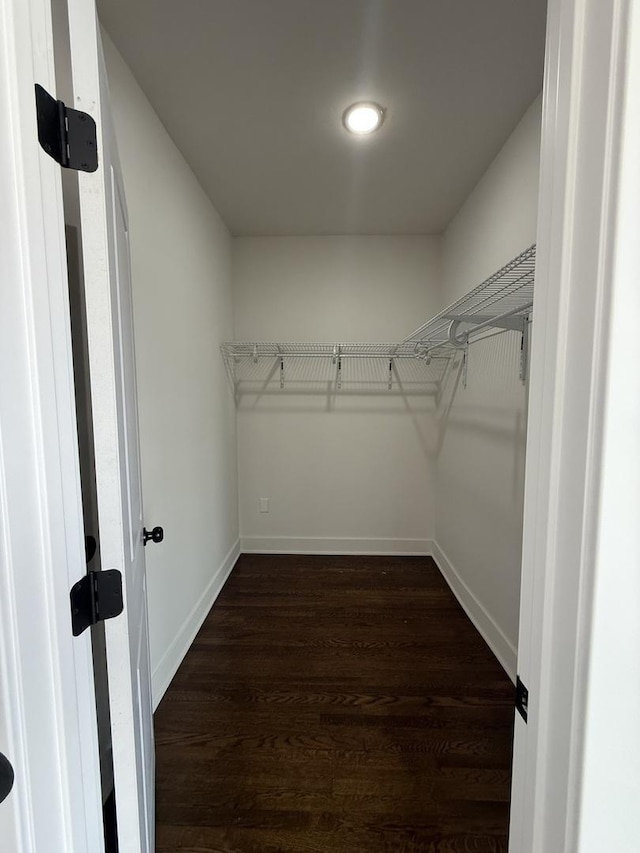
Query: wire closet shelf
{"x": 503, "y": 302}
{"x": 357, "y": 364}
{"x": 261, "y": 349}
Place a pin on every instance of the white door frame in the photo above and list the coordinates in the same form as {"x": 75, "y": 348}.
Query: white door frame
{"x": 577, "y": 622}
{"x": 50, "y": 701}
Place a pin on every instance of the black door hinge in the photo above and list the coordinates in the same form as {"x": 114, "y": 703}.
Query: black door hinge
{"x": 69, "y": 136}
{"x": 98, "y": 596}
{"x": 522, "y": 699}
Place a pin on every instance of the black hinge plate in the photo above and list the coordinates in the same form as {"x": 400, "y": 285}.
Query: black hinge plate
{"x": 98, "y": 596}
{"x": 69, "y": 136}
{"x": 522, "y": 699}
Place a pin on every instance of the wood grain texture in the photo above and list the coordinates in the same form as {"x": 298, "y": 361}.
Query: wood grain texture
{"x": 335, "y": 704}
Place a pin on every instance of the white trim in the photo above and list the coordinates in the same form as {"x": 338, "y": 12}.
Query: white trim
{"x": 174, "y": 655}
{"x": 586, "y": 100}
{"x": 326, "y": 546}
{"x": 610, "y": 790}
{"x": 501, "y": 646}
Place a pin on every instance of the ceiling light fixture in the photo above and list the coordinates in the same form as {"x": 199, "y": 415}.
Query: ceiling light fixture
{"x": 363, "y": 118}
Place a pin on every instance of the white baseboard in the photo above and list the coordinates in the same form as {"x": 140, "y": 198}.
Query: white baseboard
{"x": 494, "y": 637}
{"x": 172, "y": 658}
{"x": 335, "y": 547}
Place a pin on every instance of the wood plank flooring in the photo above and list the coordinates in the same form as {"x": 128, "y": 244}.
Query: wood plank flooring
{"x": 335, "y": 704}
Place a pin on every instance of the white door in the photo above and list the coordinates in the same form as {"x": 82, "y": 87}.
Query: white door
{"x": 105, "y": 242}
{"x": 106, "y": 266}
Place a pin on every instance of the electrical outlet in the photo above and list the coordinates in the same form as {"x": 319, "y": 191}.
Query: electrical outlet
{"x": 264, "y": 504}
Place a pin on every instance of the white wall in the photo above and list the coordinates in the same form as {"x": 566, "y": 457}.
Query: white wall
{"x": 481, "y": 465}
{"x": 345, "y": 471}
{"x": 181, "y": 270}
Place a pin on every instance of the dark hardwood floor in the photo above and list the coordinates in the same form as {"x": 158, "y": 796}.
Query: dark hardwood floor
{"x": 335, "y": 704}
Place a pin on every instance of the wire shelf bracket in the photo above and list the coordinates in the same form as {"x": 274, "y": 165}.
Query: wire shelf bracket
{"x": 504, "y": 301}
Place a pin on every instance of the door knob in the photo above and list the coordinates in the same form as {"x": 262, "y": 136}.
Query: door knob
{"x": 155, "y": 535}
{"x": 6, "y": 777}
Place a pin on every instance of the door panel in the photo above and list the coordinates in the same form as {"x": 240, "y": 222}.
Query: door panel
{"x": 105, "y": 245}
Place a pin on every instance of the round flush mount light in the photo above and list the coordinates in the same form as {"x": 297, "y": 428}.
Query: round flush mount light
{"x": 363, "y": 118}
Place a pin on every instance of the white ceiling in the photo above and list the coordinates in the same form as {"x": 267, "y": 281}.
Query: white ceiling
{"x": 252, "y": 92}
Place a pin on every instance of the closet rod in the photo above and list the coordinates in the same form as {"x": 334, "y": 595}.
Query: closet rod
{"x": 490, "y": 322}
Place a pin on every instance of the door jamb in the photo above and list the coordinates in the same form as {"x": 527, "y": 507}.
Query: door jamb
{"x": 586, "y": 104}
{"x": 50, "y": 703}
